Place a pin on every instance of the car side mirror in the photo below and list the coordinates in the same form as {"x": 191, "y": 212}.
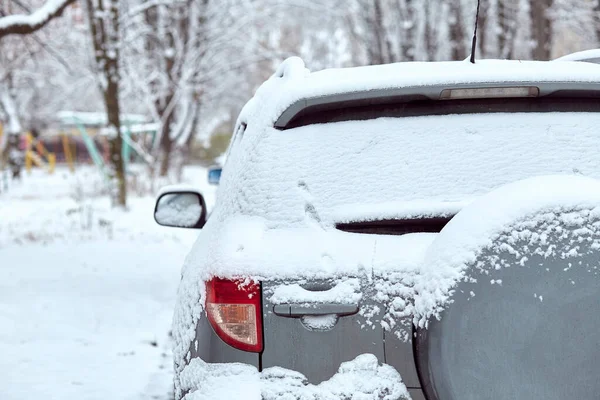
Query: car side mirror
{"x": 214, "y": 175}
{"x": 180, "y": 208}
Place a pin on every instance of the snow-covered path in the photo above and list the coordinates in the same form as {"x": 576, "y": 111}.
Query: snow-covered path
{"x": 79, "y": 322}
{"x": 85, "y": 310}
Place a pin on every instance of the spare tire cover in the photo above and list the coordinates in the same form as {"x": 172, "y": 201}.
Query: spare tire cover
{"x": 525, "y": 324}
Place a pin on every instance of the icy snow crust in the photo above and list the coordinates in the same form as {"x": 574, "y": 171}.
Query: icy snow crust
{"x": 282, "y": 192}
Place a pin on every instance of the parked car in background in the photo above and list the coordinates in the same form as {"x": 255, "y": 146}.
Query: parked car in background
{"x": 214, "y": 175}
{"x": 400, "y": 231}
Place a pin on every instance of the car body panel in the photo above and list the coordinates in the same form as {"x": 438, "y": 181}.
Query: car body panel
{"x": 210, "y": 348}
{"x": 524, "y": 331}
{"x": 399, "y": 354}
{"x": 412, "y": 93}
{"x": 427, "y": 78}
{"x": 290, "y": 343}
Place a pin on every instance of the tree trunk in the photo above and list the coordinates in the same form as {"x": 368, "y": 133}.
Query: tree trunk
{"x": 185, "y": 155}
{"x": 541, "y": 28}
{"x": 457, "y": 33}
{"x": 408, "y": 23}
{"x": 507, "y": 14}
{"x": 166, "y": 147}
{"x": 503, "y": 30}
{"x": 482, "y": 28}
{"x": 378, "y": 34}
{"x": 111, "y": 71}
{"x": 11, "y": 155}
{"x": 104, "y": 27}
{"x": 166, "y": 139}
{"x": 430, "y": 43}
{"x": 597, "y": 22}
{"x": 111, "y": 99}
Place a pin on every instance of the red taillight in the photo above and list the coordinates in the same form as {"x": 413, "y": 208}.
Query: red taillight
{"x": 234, "y": 311}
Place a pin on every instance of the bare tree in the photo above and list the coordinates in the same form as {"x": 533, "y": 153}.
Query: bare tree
{"x": 190, "y": 58}
{"x": 178, "y": 28}
{"x": 541, "y": 28}
{"x": 19, "y": 24}
{"x": 10, "y": 140}
{"x": 507, "y": 27}
{"x": 596, "y": 21}
{"x": 409, "y": 21}
{"x": 103, "y": 18}
{"x": 482, "y": 27}
{"x": 393, "y": 30}
{"x": 457, "y": 31}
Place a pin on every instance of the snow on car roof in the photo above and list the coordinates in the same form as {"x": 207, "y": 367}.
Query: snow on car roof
{"x": 293, "y": 81}
{"x": 444, "y": 73}
{"x": 592, "y": 56}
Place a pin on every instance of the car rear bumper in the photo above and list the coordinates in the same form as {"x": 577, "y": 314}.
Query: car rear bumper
{"x": 217, "y": 370}
{"x": 364, "y": 377}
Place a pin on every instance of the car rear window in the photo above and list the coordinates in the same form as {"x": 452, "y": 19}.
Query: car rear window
{"x": 395, "y": 226}
{"x": 377, "y": 108}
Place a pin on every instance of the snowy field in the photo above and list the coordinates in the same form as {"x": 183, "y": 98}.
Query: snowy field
{"x": 86, "y": 292}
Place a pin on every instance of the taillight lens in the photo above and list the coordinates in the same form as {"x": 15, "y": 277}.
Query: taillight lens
{"x": 234, "y": 311}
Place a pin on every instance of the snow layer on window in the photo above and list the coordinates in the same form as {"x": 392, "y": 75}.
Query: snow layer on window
{"x": 316, "y": 175}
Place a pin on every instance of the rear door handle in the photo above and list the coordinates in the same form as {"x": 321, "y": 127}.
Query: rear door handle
{"x": 301, "y": 310}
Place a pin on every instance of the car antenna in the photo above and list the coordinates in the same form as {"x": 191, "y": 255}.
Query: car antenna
{"x": 474, "y": 45}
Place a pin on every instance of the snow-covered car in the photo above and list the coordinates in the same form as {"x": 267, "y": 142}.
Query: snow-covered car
{"x": 412, "y": 230}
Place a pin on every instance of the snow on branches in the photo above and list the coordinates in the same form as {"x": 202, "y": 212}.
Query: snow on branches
{"x": 23, "y": 24}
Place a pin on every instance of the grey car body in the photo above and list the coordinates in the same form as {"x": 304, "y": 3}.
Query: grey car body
{"x": 448, "y": 360}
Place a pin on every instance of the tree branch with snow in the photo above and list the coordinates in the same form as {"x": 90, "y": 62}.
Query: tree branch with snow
{"x": 22, "y": 24}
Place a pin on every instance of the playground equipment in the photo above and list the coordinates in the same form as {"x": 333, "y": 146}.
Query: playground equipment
{"x": 40, "y": 157}
{"x": 70, "y": 152}
{"x": 83, "y": 122}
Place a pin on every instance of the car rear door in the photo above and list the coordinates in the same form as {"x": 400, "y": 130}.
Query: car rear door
{"x": 313, "y": 327}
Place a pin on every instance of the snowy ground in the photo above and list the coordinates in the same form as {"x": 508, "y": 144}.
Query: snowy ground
{"x": 86, "y": 291}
